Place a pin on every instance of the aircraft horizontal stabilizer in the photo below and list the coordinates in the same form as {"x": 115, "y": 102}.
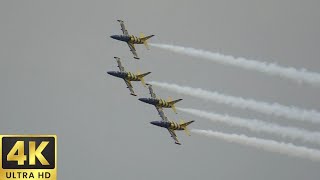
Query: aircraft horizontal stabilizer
{"x": 144, "y": 40}
{"x": 175, "y": 101}
{"x": 186, "y": 130}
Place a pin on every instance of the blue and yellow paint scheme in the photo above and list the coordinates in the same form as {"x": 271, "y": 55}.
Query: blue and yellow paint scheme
{"x": 131, "y": 39}
{"x": 128, "y": 76}
{"x": 172, "y": 126}
{"x": 158, "y": 102}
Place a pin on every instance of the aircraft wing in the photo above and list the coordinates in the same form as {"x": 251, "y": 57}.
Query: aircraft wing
{"x": 174, "y": 136}
{"x": 129, "y": 85}
{"x": 153, "y": 95}
{"x": 133, "y": 50}
{"x": 123, "y": 28}
{"x": 119, "y": 64}
{"x": 161, "y": 113}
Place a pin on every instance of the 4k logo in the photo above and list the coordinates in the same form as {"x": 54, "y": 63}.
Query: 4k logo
{"x": 28, "y": 157}
{"x": 33, "y": 153}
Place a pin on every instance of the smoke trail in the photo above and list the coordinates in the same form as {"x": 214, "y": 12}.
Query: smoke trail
{"x": 267, "y": 145}
{"x": 290, "y": 73}
{"x": 258, "y": 126}
{"x": 258, "y": 106}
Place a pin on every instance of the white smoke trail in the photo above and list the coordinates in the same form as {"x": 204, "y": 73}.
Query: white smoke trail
{"x": 290, "y": 73}
{"x": 258, "y": 106}
{"x": 257, "y": 126}
{"x": 267, "y": 145}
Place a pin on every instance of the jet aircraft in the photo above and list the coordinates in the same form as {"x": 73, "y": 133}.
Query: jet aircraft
{"x": 128, "y": 76}
{"x": 172, "y": 126}
{"x": 131, "y": 39}
{"x": 159, "y": 103}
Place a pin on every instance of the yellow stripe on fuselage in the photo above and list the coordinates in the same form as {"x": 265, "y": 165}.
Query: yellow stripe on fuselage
{"x": 132, "y": 77}
{"x": 175, "y": 126}
{"x": 164, "y": 103}
{"x": 135, "y": 40}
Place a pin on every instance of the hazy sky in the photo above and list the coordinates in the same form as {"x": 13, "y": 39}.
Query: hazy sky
{"x": 53, "y": 62}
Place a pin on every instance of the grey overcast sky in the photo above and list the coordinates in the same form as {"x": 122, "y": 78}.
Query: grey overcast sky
{"x": 53, "y": 61}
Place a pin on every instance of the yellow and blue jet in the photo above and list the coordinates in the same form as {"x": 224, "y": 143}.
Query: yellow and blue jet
{"x": 131, "y": 39}
{"x": 159, "y": 103}
{"x": 172, "y": 126}
{"x": 128, "y": 76}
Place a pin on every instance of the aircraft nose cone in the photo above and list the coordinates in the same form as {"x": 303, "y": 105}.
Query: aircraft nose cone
{"x": 145, "y": 100}
{"x": 117, "y": 37}
{"x": 156, "y": 123}
{"x": 111, "y": 73}
{"x": 117, "y": 74}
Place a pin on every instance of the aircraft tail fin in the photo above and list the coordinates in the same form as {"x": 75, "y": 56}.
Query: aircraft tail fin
{"x": 185, "y": 126}
{"x": 142, "y": 79}
{"x": 172, "y": 102}
{"x": 144, "y": 40}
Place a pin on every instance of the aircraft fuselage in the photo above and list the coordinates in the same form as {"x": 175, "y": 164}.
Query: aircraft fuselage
{"x": 124, "y": 75}
{"x": 128, "y": 38}
{"x": 156, "y": 102}
{"x": 168, "y": 124}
